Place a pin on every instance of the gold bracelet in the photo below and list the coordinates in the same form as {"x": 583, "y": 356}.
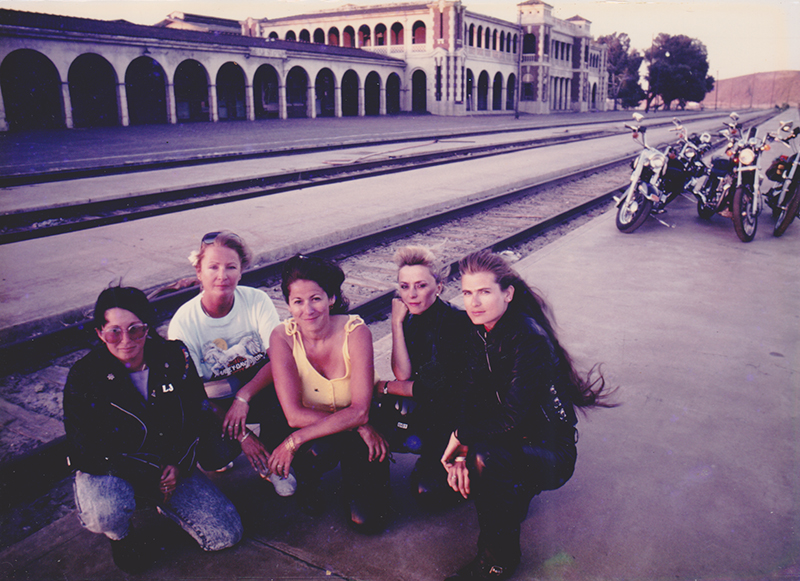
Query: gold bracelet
{"x": 289, "y": 443}
{"x": 246, "y": 435}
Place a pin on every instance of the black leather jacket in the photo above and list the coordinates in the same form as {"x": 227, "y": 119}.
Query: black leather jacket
{"x": 112, "y": 430}
{"x": 436, "y": 343}
{"x": 514, "y": 386}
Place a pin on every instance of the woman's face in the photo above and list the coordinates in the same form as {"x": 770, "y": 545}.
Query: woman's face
{"x": 116, "y": 334}
{"x": 417, "y": 288}
{"x": 309, "y": 304}
{"x": 484, "y": 300}
{"x": 220, "y": 271}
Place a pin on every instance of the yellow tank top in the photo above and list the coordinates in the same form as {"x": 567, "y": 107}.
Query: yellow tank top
{"x": 319, "y": 392}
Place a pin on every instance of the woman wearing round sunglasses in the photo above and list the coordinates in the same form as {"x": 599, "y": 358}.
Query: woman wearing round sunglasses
{"x": 132, "y": 417}
{"x": 227, "y": 329}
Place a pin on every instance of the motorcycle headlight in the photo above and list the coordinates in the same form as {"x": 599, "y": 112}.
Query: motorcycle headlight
{"x": 657, "y": 162}
{"x": 747, "y": 156}
{"x": 689, "y": 153}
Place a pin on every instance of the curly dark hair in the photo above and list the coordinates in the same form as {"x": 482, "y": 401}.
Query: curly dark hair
{"x": 325, "y": 273}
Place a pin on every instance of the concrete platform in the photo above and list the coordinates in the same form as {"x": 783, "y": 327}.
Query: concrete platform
{"x": 694, "y": 477}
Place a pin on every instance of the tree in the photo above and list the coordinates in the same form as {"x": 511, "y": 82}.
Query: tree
{"x": 623, "y": 70}
{"x": 677, "y": 70}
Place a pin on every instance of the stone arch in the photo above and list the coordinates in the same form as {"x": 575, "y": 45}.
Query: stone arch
{"x": 324, "y": 89}
{"x": 502, "y": 41}
{"x": 191, "y": 92}
{"x": 497, "y": 92}
{"x": 297, "y": 93}
{"x": 511, "y": 90}
{"x": 231, "y": 100}
{"x": 146, "y": 89}
{"x": 494, "y": 39}
{"x": 471, "y": 35}
{"x": 290, "y": 35}
{"x": 488, "y": 39}
{"x": 304, "y": 36}
{"x": 273, "y": 35}
{"x": 483, "y": 91}
{"x": 319, "y": 36}
{"x": 265, "y": 89}
{"x": 480, "y": 36}
{"x": 372, "y": 94}
{"x": 419, "y": 92}
{"x": 31, "y": 89}
{"x": 393, "y": 87}
{"x": 93, "y": 92}
{"x": 470, "y": 89}
{"x": 350, "y": 94}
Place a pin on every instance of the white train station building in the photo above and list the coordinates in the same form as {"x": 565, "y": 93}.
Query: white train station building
{"x": 435, "y": 57}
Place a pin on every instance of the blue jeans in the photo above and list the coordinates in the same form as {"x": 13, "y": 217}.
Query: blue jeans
{"x": 105, "y": 505}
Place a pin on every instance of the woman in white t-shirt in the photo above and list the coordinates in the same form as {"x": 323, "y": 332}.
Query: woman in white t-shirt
{"x": 227, "y": 329}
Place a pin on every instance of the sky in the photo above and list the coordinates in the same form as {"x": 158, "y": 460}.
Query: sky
{"x": 741, "y": 36}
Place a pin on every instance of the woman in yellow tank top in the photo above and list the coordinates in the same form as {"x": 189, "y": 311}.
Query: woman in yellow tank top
{"x": 324, "y": 377}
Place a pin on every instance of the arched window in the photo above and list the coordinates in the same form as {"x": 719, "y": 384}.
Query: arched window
{"x": 480, "y": 36}
{"x": 319, "y": 36}
{"x": 502, "y": 41}
{"x": 290, "y": 35}
{"x": 333, "y": 37}
{"x": 494, "y": 40}
{"x": 515, "y": 44}
{"x": 380, "y": 35}
{"x": 418, "y": 33}
{"x": 488, "y": 39}
{"x": 397, "y": 36}
{"x": 364, "y": 36}
{"x": 305, "y": 36}
{"x": 472, "y": 35}
{"x": 349, "y": 37}
{"x": 273, "y": 35}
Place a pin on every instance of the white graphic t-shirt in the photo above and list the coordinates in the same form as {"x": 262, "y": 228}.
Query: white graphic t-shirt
{"x": 230, "y": 350}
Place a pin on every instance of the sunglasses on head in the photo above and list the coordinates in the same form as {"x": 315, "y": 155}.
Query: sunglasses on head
{"x": 211, "y": 236}
{"x": 113, "y": 335}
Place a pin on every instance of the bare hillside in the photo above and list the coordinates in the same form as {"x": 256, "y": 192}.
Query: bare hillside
{"x": 758, "y": 90}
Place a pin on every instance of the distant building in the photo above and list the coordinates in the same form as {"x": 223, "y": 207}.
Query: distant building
{"x": 198, "y": 23}
{"x": 461, "y": 62}
{"x": 436, "y": 57}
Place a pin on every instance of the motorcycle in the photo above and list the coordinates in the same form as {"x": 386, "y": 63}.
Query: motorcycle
{"x": 784, "y": 197}
{"x": 659, "y": 177}
{"x": 747, "y": 200}
{"x": 715, "y": 194}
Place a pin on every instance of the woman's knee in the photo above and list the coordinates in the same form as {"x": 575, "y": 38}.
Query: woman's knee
{"x": 105, "y": 504}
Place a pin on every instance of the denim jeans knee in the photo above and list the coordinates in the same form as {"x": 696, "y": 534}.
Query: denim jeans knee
{"x": 105, "y": 504}
{"x": 204, "y": 512}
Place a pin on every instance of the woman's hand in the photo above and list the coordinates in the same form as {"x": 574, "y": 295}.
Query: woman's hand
{"x": 169, "y": 481}
{"x": 378, "y": 447}
{"x": 256, "y": 453}
{"x": 281, "y": 459}
{"x": 233, "y": 425}
{"x": 453, "y": 461}
{"x": 399, "y": 311}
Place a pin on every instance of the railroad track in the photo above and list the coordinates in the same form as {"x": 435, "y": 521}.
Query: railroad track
{"x": 31, "y": 224}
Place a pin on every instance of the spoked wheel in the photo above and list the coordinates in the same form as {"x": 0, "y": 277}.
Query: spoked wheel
{"x": 788, "y": 214}
{"x": 632, "y": 213}
{"x": 745, "y": 218}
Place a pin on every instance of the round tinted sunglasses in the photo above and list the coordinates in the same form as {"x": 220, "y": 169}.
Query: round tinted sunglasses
{"x": 113, "y": 335}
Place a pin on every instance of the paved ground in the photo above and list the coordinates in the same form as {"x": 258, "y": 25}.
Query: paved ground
{"x": 694, "y": 476}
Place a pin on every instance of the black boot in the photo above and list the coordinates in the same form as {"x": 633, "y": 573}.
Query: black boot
{"x": 130, "y": 554}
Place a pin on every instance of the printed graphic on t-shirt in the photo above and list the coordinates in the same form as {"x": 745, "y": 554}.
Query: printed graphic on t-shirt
{"x": 224, "y": 360}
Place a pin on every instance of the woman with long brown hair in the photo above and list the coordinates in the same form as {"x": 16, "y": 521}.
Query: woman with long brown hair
{"x": 515, "y": 435}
